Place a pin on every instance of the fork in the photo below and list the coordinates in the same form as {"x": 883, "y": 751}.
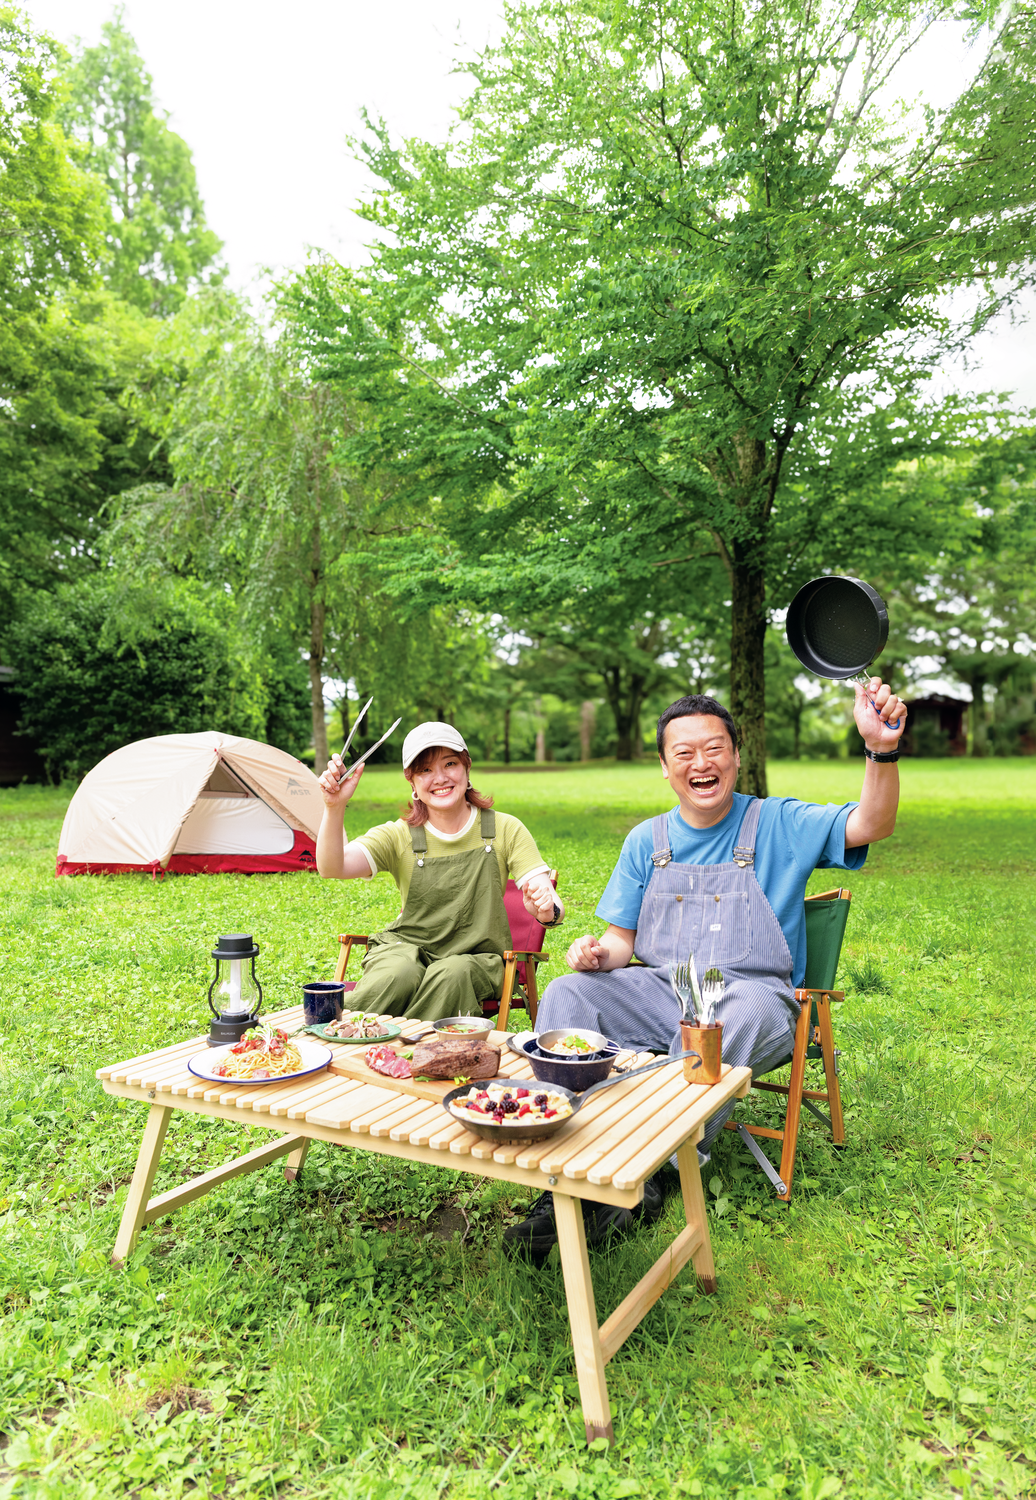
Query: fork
{"x": 684, "y": 981}
{"x": 712, "y": 987}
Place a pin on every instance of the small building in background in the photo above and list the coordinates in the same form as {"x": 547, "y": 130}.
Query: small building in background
{"x": 19, "y": 759}
{"x": 936, "y": 726}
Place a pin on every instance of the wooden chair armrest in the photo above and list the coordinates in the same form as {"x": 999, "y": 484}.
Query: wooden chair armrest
{"x": 810, "y": 995}
{"x": 838, "y": 894}
{"x": 354, "y": 937}
{"x": 524, "y": 954}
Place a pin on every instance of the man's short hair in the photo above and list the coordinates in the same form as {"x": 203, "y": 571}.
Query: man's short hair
{"x": 693, "y": 706}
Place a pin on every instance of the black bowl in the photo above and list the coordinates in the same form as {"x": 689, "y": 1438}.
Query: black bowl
{"x": 501, "y": 1134}
{"x": 575, "y": 1074}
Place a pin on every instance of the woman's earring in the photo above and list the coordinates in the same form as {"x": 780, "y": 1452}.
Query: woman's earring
{"x": 414, "y": 795}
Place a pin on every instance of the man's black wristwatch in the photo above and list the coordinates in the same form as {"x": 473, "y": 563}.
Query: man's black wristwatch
{"x": 882, "y": 755}
{"x": 556, "y": 918}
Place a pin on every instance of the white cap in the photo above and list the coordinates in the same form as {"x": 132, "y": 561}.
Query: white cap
{"x": 427, "y": 736}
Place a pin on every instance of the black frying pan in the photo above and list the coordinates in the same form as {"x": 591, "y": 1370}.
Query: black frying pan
{"x": 837, "y": 627}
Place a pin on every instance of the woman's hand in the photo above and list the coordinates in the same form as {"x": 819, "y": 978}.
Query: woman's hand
{"x": 337, "y": 793}
{"x": 539, "y": 898}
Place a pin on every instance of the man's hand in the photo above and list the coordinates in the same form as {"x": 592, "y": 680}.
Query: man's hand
{"x": 613, "y": 950}
{"x": 876, "y": 709}
{"x": 539, "y": 898}
{"x": 584, "y": 954}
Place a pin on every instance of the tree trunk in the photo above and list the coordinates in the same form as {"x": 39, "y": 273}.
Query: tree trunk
{"x": 979, "y": 743}
{"x": 587, "y": 720}
{"x": 541, "y": 747}
{"x": 316, "y": 653}
{"x": 625, "y": 702}
{"x": 507, "y": 735}
{"x": 316, "y": 683}
{"x": 747, "y": 673}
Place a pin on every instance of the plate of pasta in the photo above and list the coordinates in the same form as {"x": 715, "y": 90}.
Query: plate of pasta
{"x": 266, "y": 1055}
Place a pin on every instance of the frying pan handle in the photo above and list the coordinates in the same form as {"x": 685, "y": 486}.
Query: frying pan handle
{"x": 606, "y": 1083}
{"x": 864, "y": 681}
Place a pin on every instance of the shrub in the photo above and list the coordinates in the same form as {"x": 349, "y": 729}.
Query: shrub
{"x": 101, "y": 663}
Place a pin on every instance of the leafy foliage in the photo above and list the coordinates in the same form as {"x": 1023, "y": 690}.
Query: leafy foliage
{"x": 677, "y": 257}
{"x": 104, "y": 662}
{"x": 158, "y": 243}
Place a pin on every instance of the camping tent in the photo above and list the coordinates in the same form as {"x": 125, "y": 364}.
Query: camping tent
{"x": 192, "y": 804}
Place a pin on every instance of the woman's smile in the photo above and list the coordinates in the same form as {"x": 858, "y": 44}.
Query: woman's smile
{"x": 443, "y": 786}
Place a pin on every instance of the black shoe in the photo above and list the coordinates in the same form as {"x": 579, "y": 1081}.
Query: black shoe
{"x": 603, "y": 1219}
{"x": 534, "y": 1238}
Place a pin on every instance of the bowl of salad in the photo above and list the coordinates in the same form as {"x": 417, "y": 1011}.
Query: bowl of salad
{"x": 471, "y": 1028}
{"x": 572, "y": 1072}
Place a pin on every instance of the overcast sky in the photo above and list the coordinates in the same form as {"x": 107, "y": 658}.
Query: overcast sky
{"x": 265, "y": 95}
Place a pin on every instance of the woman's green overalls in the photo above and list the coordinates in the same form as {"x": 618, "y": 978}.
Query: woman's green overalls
{"x": 443, "y": 955}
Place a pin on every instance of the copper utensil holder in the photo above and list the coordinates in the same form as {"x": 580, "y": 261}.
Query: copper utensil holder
{"x": 708, "y": 1042}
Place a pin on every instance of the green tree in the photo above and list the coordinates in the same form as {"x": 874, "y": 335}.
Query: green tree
{"x": 67, "y": 440}
{"x": 261, "y": 502}
{"x": 158, "y": 243}
{"x": 691, "y": 242}
{"x": 975, "y": 613}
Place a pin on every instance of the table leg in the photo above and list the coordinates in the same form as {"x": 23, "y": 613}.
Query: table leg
{"x": 582, "y": 1317}
{"x": 293, "y": 1166}
{"x": 694, "y": 1210}
{"x": 142, "y": 1181}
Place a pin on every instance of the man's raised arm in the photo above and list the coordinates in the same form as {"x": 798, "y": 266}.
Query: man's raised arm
{"x": 875, "y": 818}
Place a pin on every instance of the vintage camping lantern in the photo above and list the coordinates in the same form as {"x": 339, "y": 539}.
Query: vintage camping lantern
{"x": 235, "y": 995}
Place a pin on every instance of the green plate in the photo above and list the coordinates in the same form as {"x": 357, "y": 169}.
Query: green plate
{"x": 354, "y": 1041}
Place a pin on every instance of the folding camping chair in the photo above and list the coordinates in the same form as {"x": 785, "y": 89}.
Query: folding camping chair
{"x": 826, "y": 916}
{"x": 519, "y": 986}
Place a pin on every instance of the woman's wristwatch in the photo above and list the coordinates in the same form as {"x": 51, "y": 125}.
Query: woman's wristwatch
{"x": 556, "y": 918}
{"x": 882, "y": 755}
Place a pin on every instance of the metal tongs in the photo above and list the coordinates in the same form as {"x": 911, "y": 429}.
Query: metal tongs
{"x": 356, "y": 724}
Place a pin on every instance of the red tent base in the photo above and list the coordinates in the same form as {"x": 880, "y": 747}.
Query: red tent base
{"x": 301, "y": 856}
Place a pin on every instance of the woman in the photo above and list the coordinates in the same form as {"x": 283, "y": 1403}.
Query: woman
{"x": 451, "y": 857}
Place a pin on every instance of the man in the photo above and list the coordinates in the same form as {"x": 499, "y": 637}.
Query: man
{"x": 722, "y": 876}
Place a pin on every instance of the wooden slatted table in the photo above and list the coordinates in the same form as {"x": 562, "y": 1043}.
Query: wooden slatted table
{"x": 617, "y": 1140}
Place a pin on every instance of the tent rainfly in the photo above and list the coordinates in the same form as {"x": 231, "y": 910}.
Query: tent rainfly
{"x": 191, "y": 804}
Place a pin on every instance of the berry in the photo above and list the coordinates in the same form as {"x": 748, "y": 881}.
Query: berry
{"x": 510, "y": 1106}
{"x": 540, "y": 1099}
{"x": 521, "y": 1094}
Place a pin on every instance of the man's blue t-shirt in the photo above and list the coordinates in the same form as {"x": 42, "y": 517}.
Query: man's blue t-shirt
{"x": 793, "y": 840}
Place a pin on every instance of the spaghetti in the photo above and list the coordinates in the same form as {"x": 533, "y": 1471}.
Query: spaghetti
{"x": 266, "y": 1054}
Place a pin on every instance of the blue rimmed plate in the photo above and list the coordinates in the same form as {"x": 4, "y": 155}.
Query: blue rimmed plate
{"x": 203, "y": 1064}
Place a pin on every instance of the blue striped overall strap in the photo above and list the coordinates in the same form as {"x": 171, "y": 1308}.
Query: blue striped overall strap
{"x": 744, "y": 849}
{"x": 660, "y": 838}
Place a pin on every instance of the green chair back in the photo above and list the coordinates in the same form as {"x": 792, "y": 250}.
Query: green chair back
{"x": 825, "y": 929}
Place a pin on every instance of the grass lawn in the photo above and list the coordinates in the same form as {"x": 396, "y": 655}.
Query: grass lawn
{"x": 333, "y": 1337}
